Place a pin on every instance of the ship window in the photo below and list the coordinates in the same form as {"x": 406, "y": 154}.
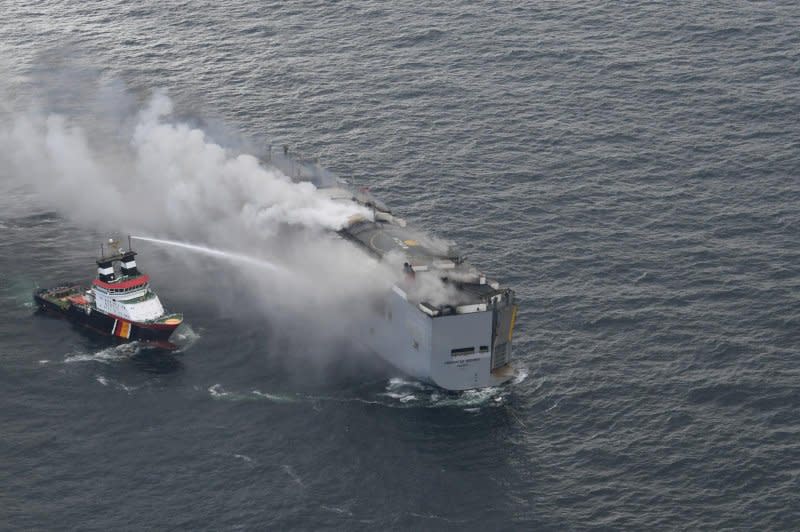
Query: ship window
{"x": 462, "y": 351}
{"x": 484, "y": 349}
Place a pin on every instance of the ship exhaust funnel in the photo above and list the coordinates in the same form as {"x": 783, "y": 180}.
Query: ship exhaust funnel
{"x": 105, "y": 270}
{"x": 128, "y": 264}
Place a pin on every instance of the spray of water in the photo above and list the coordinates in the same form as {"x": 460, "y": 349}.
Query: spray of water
{"x": 225, "y": 255}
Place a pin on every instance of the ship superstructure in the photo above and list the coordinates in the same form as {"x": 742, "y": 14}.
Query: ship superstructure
{"x": 119, "y": 302}
{"x": 446, "y": 322}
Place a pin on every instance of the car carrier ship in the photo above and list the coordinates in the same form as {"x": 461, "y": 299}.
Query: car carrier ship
{"x": 457, "y": 343}
{"x": 119, "y": 302}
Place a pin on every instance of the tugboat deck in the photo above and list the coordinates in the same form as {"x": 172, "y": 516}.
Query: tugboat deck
{"x": 61, "y": 295}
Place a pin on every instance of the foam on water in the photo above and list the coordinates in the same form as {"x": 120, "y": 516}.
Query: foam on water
{"x": 402, "y": 397}
{"x": 184, "y": 337}
{"x": 520, "y": 376}
{"x": 217, "y": 392}
{"x": 336, "y": 509}
{"x": 274, "y": 397}
{"x": 105, "y": 381}
{"x": 404, "y": 392}
{"x": 399, "y": 393}
{"x": 400, "y": 382}
{"x": 106, "y": 355}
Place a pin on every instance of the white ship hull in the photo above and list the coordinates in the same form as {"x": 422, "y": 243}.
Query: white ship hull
{"x": 455, "y": 352}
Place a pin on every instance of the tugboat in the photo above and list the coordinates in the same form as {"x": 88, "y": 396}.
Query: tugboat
{"x": 118, "y": 303}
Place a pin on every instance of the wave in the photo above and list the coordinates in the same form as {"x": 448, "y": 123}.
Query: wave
{"x": 105, "y": 381}
{"x": 218, "y": 392}
{"x": 521, "y": 375}
{"x": 184, "y": 337}
{"x": 107, "y": 355}
{"x": 412, "y": 393}
{"x": 398, "y": 393}
{"x": 274, "y": 397}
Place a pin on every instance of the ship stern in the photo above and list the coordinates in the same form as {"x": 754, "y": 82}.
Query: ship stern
{"x": 471, "y": 348}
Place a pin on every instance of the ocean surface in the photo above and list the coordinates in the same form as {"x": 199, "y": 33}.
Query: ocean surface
{"x": 631, "y": 169}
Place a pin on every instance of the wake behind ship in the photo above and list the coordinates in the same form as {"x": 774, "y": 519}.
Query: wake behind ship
{"x": 446, "y": 323}
{"x": 119, "y": 302}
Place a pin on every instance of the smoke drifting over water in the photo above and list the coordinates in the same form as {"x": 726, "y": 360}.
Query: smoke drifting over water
{"x": 168, "y": 179}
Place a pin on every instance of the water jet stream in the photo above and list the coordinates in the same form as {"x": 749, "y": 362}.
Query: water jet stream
{"x": 227, "y": 255}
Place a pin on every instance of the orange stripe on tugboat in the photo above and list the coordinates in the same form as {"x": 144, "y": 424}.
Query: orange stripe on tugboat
{"x": 122, "y": 329}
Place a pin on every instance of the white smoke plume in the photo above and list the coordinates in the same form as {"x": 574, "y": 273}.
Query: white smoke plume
{"x": 171, "y": 179}
{"x": 164, "y": 178}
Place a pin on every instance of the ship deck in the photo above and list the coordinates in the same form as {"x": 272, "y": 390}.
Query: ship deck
{"x": 425, "y": 255}
{"x": 62, "y": 296}
{"x": 381, "y": 238}
{"x": 388, "y": 235}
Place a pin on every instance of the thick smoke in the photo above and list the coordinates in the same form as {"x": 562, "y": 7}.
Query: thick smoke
{"x": 157, "y": 176}
{"x": 170, "y": 179}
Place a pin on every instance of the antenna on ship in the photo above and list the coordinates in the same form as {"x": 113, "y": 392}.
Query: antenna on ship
{"x": 130, "y": 246}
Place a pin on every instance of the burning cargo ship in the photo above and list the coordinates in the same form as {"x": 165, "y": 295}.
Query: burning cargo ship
{"x": 459, "y": 342}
